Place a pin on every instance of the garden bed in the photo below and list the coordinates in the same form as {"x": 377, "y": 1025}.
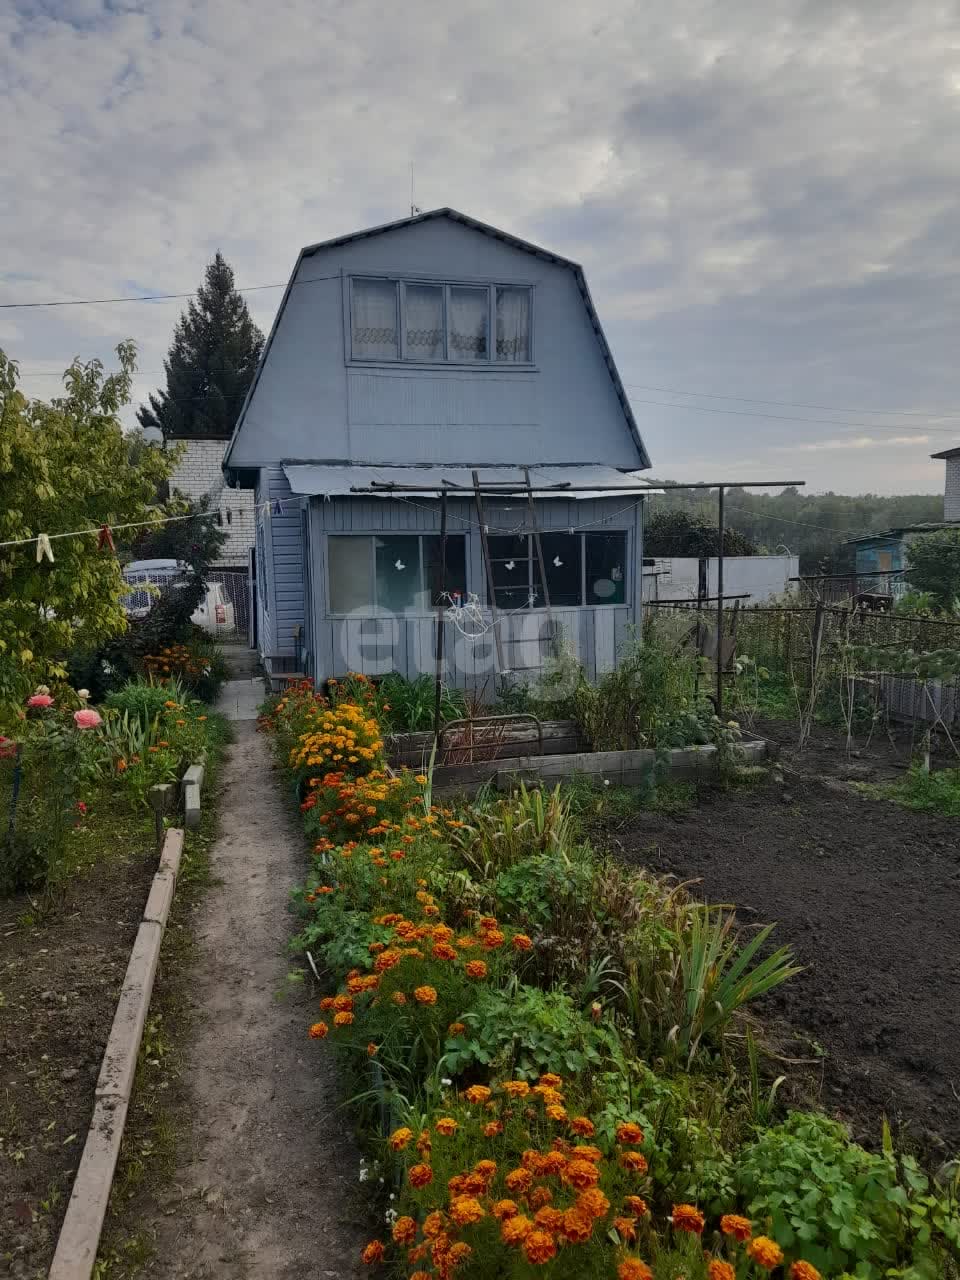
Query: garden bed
{"x": 868, "y": 894}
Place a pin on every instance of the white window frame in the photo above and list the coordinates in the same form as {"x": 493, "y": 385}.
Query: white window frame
{"x": 446, "y": 284}
{"x": 374, "y": 609}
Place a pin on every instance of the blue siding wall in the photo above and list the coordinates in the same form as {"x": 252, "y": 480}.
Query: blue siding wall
{"x": 311, "y": 403}
{"x": 286, "y": 563}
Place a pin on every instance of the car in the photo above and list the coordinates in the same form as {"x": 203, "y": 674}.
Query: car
{"x": 215, "y": 613}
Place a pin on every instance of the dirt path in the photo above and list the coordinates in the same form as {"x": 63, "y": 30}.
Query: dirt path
{"x": 268, "y": 1188}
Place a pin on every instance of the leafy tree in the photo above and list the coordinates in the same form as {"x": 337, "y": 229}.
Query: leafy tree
{"x": 685, "y": 533}
{"x": 65, "y": 465}
{"x": 933, "y": 565}
{"x": 210, "y": 364}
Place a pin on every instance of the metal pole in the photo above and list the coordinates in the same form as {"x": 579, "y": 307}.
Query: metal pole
{"x": 440, "y": 611}
{"x": 720, "y": 531}
{"x": 491, "y": 589}
{"x": 561, "y": 490}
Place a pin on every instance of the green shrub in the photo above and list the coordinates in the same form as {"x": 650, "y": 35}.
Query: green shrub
{"x": 145, "y": 700}
{"x": 508, "y": 829}
{"x": 408, "y": 706}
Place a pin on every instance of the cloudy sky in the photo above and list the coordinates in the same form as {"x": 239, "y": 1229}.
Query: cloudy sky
{"x": 763, "y": 192}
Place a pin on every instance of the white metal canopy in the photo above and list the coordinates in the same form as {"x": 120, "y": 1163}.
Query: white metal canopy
{"x": 332, "y": 480}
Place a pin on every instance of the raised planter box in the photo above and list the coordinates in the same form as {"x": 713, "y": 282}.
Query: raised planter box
{"x": 461, "y": 746}
{"x": 626, "y": 768}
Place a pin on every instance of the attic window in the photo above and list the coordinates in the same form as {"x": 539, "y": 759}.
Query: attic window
{"x": 425, "y": 322}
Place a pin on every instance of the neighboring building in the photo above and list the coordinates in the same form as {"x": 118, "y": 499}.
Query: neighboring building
{"x": 414, "y": 353}
{"x": 754, "y": 579}
{"x": 199, "y": 474}
{"x": 880, "y": 558}
{"x": 951, "y": 487}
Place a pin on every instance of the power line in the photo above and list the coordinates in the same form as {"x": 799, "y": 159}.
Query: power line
{"x": 151, "y": 297}
{"x": 784, "y": 417}
{"x": 793, "y": 404}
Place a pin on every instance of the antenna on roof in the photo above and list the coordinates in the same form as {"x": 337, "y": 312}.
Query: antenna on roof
{"x": 414, "y": 208}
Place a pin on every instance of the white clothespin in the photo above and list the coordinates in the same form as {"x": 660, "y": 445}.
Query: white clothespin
{"x": 44, "y": 548}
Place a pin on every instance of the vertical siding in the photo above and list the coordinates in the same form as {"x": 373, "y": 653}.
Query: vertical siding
{"x": 285, "y": 563}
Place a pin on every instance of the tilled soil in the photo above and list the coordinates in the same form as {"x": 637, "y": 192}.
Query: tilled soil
{"x": 868, "y": 895}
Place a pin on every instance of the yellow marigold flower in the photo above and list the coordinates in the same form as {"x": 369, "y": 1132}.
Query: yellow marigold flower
{"x": 629, "y": 1133}
{"x": 404, "y": 1230}
{"x": 443, "y": 951}
{"x": 456, "y": 1029}
{"x": 577, "y": 1226}
{"x": 420, "y": 779}
{"x": 633, "y": 1269}
{"x": 686, "y": 1217}
{"x": 373, "y": 1253}
{"x": 521, "y": 942}
{"x": 342, "y": 1019}
{"x": 446, "y": 1126}
{"x": 428, "y": 910}
{"x": 465, "y": 1210}
{"x": 731, "y": 1224}
{"x": 801, "y": 1271}
{"x": 420, "y": 1175}
{"x": 476, "y": 969}
{"x": 515, "y": 1229}
{"x": 425, "y": 995}
{"x": 717, "y": 1269}
{"x": 400, "y": 1138}
{"x": 593, "y": 1202}
{"x": 556, "y": 1112}
{"x": 516, "y": 1088}
{"x": 504, "y": 1209}
{"x": 582, "y": 1126}
{"x": 318, "y": 1030}
{"x": 765, "y": 1252}
{"x": 477, "y": 1093}
{"x": 539, "y": 1247}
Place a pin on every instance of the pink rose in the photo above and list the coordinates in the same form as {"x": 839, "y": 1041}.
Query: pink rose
{"x": 40, "y": 700}
{"x": 86, "y": 718}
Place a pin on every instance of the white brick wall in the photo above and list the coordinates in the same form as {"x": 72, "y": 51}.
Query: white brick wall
{"x": 951, "y": 491}
{"x": 199, "y": 474}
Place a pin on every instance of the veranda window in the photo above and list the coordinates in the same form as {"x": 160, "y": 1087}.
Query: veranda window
{"x": 581, "y": 569}
{"x": 392, "y": 573}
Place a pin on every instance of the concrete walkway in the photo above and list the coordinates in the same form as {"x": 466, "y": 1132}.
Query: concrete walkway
{"x": 267, "y": 1189}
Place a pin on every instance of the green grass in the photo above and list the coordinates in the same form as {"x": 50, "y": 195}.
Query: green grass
{"x": 614, "y": 802}
{"x": 937, "y": 792}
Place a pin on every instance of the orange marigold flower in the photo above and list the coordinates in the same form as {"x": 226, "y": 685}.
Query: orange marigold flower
{"x": 343, "y": 1004}
{"x": 420, "y": 1275}
{"x": 372, "y": 1049}
{"x": 476, "y": 969}
{"x": 342, "y": 1019}
{"x": 581, "y": 1174}
{"x": 550, "y": 1080}
{"x": 549, "y": 1218}
{"x": 477, "y": 1093}
{"x": 420, "y": 1175}
{"x": 318, "y": 1030}
{"x": 731, "y": 1224}
{"x": 456, "y": 1029}
{"x": 518, "y": 1180}
{"x": 553, "y": 1162}
{"x": 515, "y": 1088}
{"x": 404, "y": 1231}
{"x": 804, "y": 1271}
{"x": 433, "y": 1225}
{"x": 577, "y": 1226}
{"x": 487, "y": 922}
{"x": 400, "y": 1138}
{"x": 420, "y": 779}
{"x": 493, "y": 1129}
{"x": 626, "y": 1229}
{"x": 425, "y": 995}
{"x": 636, "y": 1205}
{"x": 505, "y": 1209}
{"x": 539, "y": 1196}
{"x": 486, "y": 1169}
{"x": 398, "y": 998}
{"x": 629, "y": 1133}
{"x": 636, "y": 1163}
{"x": 492, "y": 939}
{"x": 376, "y": 947}
{"x": 556, "y": 1112}
{"x": 582, "y": 1126}
{"x": 465, "y": 1210}
{"x": 386, "y": 960}
{"x": 424, "y": 1143}
{"x": 539, "y": 1247}
{"x": 441, "y": 933}
{"x": 446, "y": 1126}
{"x": 717, "y": 1269}
{"x": 765, "y": 1252}
{"x": 521, "y": 942}
{"x": 634, "y": 1269}
{"x": 531, "y": 1160}
{"x": 515, "y": 1229}
{"x": 458, "y": 1253}
{"x": 593, "y": 1202}
{"x": 686, "y": 1217}
{"x": 443, "y": 951}
{"x": 373, "y": 1253}
{"x": 593, "y": 1154}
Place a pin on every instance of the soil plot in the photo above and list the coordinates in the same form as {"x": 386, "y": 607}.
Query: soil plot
{"x": 868, "y": 895}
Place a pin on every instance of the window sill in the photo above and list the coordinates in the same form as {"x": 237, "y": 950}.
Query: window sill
{"x": 439, "y": 366}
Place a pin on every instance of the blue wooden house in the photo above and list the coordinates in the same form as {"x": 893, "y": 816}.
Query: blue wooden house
{"x": 414, "y": 355}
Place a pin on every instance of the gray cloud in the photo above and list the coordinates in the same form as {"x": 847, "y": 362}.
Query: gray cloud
{"x": 762, "y": 193}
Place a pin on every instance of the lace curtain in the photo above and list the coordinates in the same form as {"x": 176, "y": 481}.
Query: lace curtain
{"x": 468, "y": 323}
{"x": 513, "y": 325}
{"x": 423, "y": 319}
{"x": 375, "y": 334}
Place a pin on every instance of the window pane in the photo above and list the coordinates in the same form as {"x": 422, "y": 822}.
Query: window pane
{"x": 513, "y": 324}
{"x": 423, "y": 322}
{"x": 510, "y": 561}
{"x": 349, "y": 573}
{"x": 606, "y": 567}
{"x": 468, "y": 323}
{"x": 375, "y": 334}
{"x": 561, "y": 557}
{"x": 456, "y": 575}
{"x": 399, "y": 586}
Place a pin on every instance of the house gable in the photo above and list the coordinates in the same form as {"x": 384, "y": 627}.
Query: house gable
{"x": 311, "y": 401}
